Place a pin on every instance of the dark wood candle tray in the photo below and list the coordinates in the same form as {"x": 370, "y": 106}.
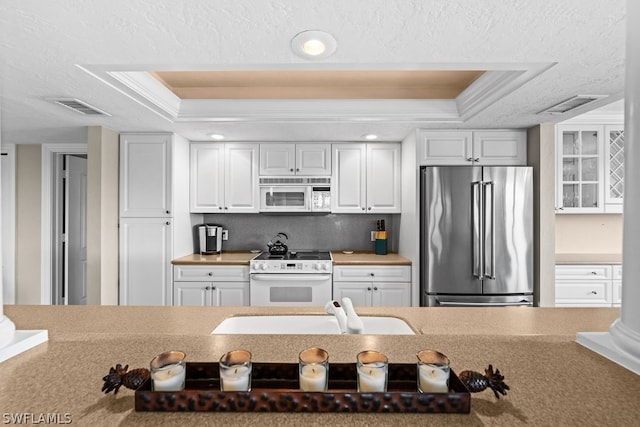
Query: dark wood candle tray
{"x": 275, "y": 388}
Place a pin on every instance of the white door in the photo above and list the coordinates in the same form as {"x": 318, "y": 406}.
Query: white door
{"x": 313, "y": 159}
{"x": 206, "y": 174}
{"x": 8, "y": 226}
{"x": 75, "y": 252}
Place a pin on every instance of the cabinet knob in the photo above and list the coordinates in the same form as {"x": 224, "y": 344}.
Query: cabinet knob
{"x": 363, "y": 208}
{"x": 291, "y": 170}
{"x": 594, "y": 273}
{"x": 470, "y": 159}
{"x": 477, "y": 159}
{"x": 213, "y": 288}
{"x": 168, "y": 212}
{"x": 372, "y": 274}
{"x": 375, "y": 288}
{"x": 207, "y": 288}
{"x": 225, "y": 208}
{"x": 210, "y": 273}
{"x": 168, "y": 223}
{"x": 369, "y": 208}
{"x": 297, "y": 169}
{"x": 369, "y": 288}
{"x": 220, "y": 207}
{"x": 594, "y": 293}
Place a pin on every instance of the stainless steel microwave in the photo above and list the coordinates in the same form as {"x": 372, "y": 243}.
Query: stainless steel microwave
{"x": 295, "y": 194}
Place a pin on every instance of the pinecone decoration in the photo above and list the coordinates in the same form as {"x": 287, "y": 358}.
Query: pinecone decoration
{"x": 476, "y": 382}
{"x": 119, "y": 376}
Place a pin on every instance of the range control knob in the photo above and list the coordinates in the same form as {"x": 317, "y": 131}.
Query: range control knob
{"x": 325, "y": 266}
{"x": 263, "y": 266}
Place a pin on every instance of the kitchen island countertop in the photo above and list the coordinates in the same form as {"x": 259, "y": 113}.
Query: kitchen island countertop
{"x": 553, "y": 380}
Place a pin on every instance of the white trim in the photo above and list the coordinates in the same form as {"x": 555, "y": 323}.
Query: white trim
{"x": 10, "y": 220}
{"x": 48, "y": 150}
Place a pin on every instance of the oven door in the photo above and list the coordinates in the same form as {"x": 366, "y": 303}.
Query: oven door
{"x": 285, "y": 199}
{"x": 292, "y": 289}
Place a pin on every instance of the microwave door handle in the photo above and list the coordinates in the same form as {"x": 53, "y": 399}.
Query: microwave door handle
{"x": 476, "y": 230}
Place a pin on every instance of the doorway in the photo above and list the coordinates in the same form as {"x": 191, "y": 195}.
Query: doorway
{"x": 69, "y": 284}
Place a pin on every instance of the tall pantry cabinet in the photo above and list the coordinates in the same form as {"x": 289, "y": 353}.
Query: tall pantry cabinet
{"x": 155, "y": 224}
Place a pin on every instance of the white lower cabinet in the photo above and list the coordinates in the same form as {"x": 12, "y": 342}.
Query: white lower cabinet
{"x": 145, "y": 266}
{"x": 211, "y": 285}
{"x": 373, "y": 285}
{"x": 588, "y": 285}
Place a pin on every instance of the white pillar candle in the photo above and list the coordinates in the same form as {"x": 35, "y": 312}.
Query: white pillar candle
{"x": 313, "y": 378}
{"x": 372, "y": 377}
{"x": 169, "y": 378}
{"x": 235, "y": 378}
{"x": 433, "y": 379}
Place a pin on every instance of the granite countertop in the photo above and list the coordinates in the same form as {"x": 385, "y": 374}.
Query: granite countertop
{"x": 368, "y": 258}
{"x": 339, "y": 258}
{"x": 553, "y": 380}
{"x": 588, "y": 258}
{"x": 225, "y": 258}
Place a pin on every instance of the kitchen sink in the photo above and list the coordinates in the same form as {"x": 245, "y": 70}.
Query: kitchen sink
{"x": 308, "y": 325}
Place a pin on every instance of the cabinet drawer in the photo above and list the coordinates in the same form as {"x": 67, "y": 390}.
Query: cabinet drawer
{"x": 583, "y": 272}
{"x": 595, "y": 292}
{"x": 371, "y": 273}
{"x": 617, "y": 272}
{"x": 227, "y": 273}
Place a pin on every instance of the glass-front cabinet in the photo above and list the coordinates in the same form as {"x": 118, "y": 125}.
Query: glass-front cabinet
{"x": 614, "y": 168}
{"x": 580, "y": 178}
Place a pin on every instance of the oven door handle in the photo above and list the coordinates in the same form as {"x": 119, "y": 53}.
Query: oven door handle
{"x": 287, "y": 277}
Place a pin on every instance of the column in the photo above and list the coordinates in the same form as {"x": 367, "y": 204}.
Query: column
{"x": 622, "y": 343}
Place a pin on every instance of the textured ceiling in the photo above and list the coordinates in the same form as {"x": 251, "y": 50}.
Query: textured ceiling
{"x": 46, "y": 48}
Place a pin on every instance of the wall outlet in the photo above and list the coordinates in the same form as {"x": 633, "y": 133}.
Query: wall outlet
{"x": 225, "y": 234}
{"x": 373, "y": 236}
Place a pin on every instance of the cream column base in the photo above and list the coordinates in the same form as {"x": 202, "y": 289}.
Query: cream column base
{"x": 14, "y": 342}
{"x": 620, "y": 345}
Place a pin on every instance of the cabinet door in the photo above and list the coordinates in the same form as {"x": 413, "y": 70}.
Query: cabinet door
{"x": 614, "y": 168}
{"x": 145, "y": 261}
{"x": 313, "y": 159}
{"x": 230, "y": 294}
{"x": 359, "y": 292}
{"x": 500, "y": 147}
{"x": 348, "y": 189}
{"x": 277, "y": 159}
{"x": 383, "y": 178}
{"x": 206, "y": 173}
{"x": 579, "y": 167}
{"x": 392, "y": 294}
{"x": 192, "y": 294}
{"x": 241, "y": 178}
{"x": 445, "y": 148}
{"x": 145, "y": 175}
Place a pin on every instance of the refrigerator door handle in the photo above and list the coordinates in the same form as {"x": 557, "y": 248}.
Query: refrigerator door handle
{"x": 476, "y": 232}
{"x": 489, "y": 234}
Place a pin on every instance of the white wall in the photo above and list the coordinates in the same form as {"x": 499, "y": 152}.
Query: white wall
{"x": 409, "y": 245}
{"x": 589, "y": 233}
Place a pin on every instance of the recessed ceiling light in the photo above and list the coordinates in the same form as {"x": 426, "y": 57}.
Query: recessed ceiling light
{"x": 217, "y": 136}
{"x": 370, "y": 136}
{"x": 313, "y": 44}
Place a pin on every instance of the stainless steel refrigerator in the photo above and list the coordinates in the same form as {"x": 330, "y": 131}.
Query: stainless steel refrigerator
{"x": 476, "y": 236}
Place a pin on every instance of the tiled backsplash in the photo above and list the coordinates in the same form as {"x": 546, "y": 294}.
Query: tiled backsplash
{"x": 328, "y": 232}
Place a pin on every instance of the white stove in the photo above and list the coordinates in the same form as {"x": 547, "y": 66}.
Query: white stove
{"x": 297, "y": 278}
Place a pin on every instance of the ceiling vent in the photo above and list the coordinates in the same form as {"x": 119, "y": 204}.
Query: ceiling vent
{"x": 78, "y": 106}
{"x": 571, "y": 104}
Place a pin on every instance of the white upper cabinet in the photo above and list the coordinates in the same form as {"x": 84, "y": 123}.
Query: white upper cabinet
{"x": 383, "y": 178}
{"x": 241, "y": 190}
{"x": 614, "y": 168}
{"x": 145, "y": 183}
{"x": 580, "y": 169}
{"x": 224, "y": 178}
{"x": 486, "y": 147}
{"x": 366, "y": 178}
{"x": 295, "y": 159}
{"x": 206, "y": 177}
